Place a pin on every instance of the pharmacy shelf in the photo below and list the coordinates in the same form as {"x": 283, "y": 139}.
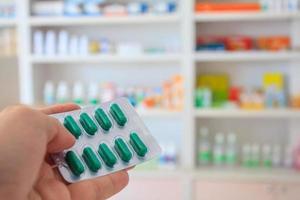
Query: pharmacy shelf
{"x": 144, "y": 58}
{"x": 150, "y": 113}
{"x": 87, "y": 20}
{"x": 235, "y": 113}
{"x": 222, "y": 174}
{"x": 8, "y": 22}
{"x": 242, "y": 174}
{"x": 245, "y": 16}
{"x": 221, "y": 56}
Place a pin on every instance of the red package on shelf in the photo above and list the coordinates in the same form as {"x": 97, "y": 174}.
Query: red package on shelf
{"x": 234, "y": 94}
{"x": 227, "y": 7}
{"x": 238, "y": 43}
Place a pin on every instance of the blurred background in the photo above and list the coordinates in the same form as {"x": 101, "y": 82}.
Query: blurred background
{"x": 217, "y": 82}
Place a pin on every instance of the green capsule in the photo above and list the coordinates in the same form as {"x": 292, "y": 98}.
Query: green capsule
{"x": 118, "y": 114}
{"x": 74, "y": 163}
{"x": 91, "y": 159}
{"x": 107, "y": 155}
{"x": 123, "y": 150}
{"x": 88, "y": 124}
{"x": 138, "y": 145}
{"x": 72, "y": 126}
{"x": 103, "y": 119}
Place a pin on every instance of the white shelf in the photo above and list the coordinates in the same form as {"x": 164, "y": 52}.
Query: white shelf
{"x": 149, "y": 113}
{"x": 150, "y": 58}
{"x": 242, "y": 174}
{"x": 217, "y": 174}
{"x": 245, "y": 16}
{"x": 102, "y": 20}
{"x": 221, "y": 56}
{"x": 7, "y": 22}
{"x": 234, "y": 113}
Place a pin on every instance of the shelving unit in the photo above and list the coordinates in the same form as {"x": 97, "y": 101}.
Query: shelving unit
{"x": 235, "y": 113}
{"x": 187, "y": 61}
{"x": 246, "y": 56}
{"x": 8, "y": 22}
{"x": 146, "y": 58}
{"x": 237, "y": 174}
{"x": 246, "y": 16}
{"x": 87, "y": 21}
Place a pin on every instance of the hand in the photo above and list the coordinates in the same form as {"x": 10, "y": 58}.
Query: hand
{"x": 27, "y": 136}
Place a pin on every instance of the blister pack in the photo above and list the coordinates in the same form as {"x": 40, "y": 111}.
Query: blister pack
{"x": 109, "y": 137}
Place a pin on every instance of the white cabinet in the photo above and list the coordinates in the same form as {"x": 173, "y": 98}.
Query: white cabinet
{"x": 151, "y": 189}
{"x": 223, "y": 190}
{"x": 288, "y": 191}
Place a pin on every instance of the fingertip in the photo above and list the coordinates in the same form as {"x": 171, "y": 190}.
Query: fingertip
{"x": 60, "y": 108}
{"x": 120, "y": 180}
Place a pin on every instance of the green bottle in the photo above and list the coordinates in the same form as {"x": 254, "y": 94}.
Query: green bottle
{"x": 204, "y": 152}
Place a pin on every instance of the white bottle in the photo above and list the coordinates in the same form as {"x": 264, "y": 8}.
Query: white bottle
{"x": 246, "y": 157}
{"x": 255, "y": 155}
{"x": 266, "y": 155}
{"x": 83, "y": 46}
{"x": 50, "y": 43}
{"x": 218, "y": 151}
{"x": 278, "y": 5}
{"x": 276, "y": 156}
{"x": 231, "y": 150}
{"x": 271, "y": 5}
{"x": 293, "y": 5}
{"x": 207, "y": 98}
{"x": 63, "y": 41}
{"x": 93, "y": 94}
{"x": 38, "y": 43}
{"x": 285, "y": 5}
{"x": 171, "y": 155}
{"x": 63, "y": 92}
{"x": 163, "y": 156}
{"x": 49, "y": 93}
{"x": 78, "y": 93}
{"x": 74, "y": 45}
{"x": 204, "y": 152}
{"x": 288, "y": 157}
{"x": 264, "y": 5}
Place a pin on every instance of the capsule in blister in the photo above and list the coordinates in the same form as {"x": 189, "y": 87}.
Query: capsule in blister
{"x": 91, "y": 159}
{"x": 123, "y": 150}
{"x": 138, "y": 145}
{"x": 72, "y": 126}
{"x": 88, "y": 124}
{"x": 103, "y": 119}
{"x": 107, "y": 155}
{"x": 118, "y": 114}
{"x": 74, "y": 163}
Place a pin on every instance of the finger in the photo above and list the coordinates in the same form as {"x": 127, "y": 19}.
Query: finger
{"x": 99, "y": 188}
{"x": 59, "y": 108}
{"x": 62, "y": 139}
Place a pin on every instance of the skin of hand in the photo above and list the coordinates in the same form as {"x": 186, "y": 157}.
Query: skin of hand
{"x": 27, "y": 137}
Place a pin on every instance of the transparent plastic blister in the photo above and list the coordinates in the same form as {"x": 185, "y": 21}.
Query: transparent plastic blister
{"x": 134, "y": 124}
